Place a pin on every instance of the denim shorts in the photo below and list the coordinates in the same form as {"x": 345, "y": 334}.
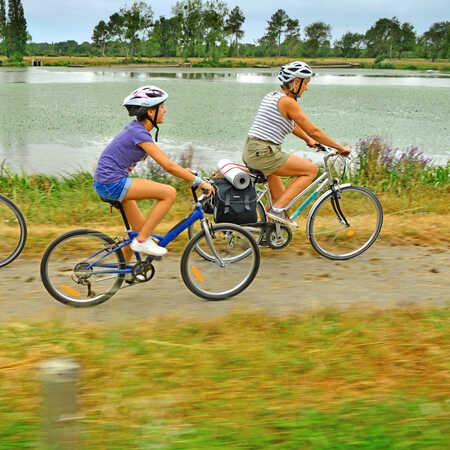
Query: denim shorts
{"x": 113, "y": 191}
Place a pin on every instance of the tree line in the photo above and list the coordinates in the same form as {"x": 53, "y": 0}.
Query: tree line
{"x": 210, "y": 29}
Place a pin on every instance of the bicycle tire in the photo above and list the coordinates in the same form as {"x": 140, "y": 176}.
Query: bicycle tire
{"x": 66, "y": 258}
{"x": 205, "y": 278}
{"x": 331, "y": 237}
{"x": 13, "y": 229}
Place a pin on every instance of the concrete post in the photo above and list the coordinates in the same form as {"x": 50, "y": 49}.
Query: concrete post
{"x": 59, "y": 377}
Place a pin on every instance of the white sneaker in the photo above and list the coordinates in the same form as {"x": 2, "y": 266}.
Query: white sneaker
{"x": 150, "y": 247}
{"x": 281, "y": 217}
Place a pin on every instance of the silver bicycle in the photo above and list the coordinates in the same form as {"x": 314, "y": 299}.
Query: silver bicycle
{"x": 343, "y": 222}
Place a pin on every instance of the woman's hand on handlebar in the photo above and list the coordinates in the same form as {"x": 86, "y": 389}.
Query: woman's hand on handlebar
{"x": 207, "y": 188}
{"x": 346, "y": 152}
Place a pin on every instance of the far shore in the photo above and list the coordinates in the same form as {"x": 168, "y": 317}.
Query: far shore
{"x": 231, "y": 62}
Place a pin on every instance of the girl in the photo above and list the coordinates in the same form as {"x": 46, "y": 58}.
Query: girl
{"x": 132, "y": 144}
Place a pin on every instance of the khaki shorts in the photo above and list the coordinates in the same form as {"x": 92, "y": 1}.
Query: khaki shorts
{"x": 263, "y": 155}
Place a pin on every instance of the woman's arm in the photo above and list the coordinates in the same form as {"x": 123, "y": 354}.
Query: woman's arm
{"x": 291, "y": 109}
{"x": 170, "y": 166}
{"x": 302, "y": 135}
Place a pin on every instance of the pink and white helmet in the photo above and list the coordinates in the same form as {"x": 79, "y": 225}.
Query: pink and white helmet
{"x": 146, "y": 96}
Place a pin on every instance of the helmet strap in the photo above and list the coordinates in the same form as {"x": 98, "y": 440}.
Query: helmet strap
{"x": 299, "y": 89}
{"x": 155, "y": 123}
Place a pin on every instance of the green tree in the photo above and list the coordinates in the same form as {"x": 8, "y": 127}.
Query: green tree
{"x": 436, "y": 41}
{"x": 165, "y": 34}
{"x": 214, "y": 15}
{"x": 349, "y": 46}
{"x": 2, "y": 20}
{"x": 292, "y": 39}
{"x": 100, "y": 36}
{"x": 407, "y": 39}
{"x": 233, "y": 26}
{"x": 276, "y": 26}
{"x": 318, "y": 36}
{"x": 383, "y": 37}
{"x": 136, "y": 22}
{"x": 16, "y": 29}
{"x": 189, "y": 13}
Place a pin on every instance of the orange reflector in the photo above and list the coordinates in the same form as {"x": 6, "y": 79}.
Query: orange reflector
{"x": 197, "y": 273}
{"x": 350, "y": 233}
{"x": 70, "y": 291}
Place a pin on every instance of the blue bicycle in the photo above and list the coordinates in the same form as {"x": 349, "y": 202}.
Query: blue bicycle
{"x": 86, "y": 267}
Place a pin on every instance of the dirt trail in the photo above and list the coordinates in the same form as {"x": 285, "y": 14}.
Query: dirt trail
{"x": 286, "y": 283}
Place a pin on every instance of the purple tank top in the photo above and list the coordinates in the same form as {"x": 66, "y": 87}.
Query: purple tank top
{"x": 122, "y": 153}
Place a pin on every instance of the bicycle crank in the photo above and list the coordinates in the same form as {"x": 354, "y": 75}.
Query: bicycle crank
{"x": 278, "y": 236}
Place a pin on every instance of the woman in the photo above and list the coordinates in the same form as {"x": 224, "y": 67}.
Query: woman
{"x": 279, "y": 114}
{"x": 132, "y": 144}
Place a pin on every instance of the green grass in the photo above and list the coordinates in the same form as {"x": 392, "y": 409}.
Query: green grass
{"x": 322, "y": 380}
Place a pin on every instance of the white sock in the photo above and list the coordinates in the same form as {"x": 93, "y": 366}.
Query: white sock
{"x": 277, "y": 210}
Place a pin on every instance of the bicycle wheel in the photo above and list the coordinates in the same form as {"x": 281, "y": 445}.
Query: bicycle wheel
{"x": 346, "y": 228}
{"x": 13, "y": 231}
{"x": 211, "y": 279}
{"x": 256, "y": 232}
{"x": 78, "y": 270}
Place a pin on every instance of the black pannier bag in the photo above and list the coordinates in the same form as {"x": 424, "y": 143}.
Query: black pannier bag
{"x": 234, "y": 205}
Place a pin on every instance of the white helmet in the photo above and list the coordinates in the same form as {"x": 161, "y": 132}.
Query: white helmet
{"x": 146, "y": 96}
{"x": 293, "y": 70}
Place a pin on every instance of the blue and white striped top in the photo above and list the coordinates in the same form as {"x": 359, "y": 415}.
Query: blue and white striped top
{"x": 269, "y": 124}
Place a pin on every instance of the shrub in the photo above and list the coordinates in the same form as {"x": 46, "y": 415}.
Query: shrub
{"x": 382, "y": 167}
{"x": 16, "y": 57}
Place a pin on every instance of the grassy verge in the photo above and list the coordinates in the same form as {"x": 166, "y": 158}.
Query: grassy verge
{"x": 415, "y": 197}
{"x": 407, "y": 63}
{"x": 324, "y": 380}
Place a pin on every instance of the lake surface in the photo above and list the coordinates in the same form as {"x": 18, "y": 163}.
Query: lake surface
{"x": 58, "y": 120}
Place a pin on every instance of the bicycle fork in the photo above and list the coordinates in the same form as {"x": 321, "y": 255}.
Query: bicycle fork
{"x": 209, "y": 240}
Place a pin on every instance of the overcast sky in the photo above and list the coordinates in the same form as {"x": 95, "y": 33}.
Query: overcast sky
{"x": 53, "y": 21}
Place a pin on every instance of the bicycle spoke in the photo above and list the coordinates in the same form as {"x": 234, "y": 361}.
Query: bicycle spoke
{"x": 336, "y": 238}
{"x": 69, "y": 270}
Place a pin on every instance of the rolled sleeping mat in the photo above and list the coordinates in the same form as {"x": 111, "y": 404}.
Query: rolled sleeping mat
{"x": 234, "y": 174}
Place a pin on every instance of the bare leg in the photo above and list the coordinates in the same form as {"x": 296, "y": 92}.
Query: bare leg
{"x": 304, "y": 170}
{"x": 142, "y": 189}
{"x": 276, "y": 187}
{"x": 136, "y": 220}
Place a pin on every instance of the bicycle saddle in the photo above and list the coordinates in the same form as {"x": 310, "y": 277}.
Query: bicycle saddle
{"x": 260, "y": 177}
{"x": 113, "y": 203}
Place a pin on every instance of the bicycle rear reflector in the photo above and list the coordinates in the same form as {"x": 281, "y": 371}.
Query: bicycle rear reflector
{"x": 197, "y": 274}
{"x": 70, "y": 291}
{"x": 350, "y": 233}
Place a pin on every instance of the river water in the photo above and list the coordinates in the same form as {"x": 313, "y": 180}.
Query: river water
{"x": 58, "y": 120}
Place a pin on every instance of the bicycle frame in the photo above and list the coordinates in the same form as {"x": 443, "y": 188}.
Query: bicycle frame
{"x": 322, "y": 181}
{"x": 163, "y": 241}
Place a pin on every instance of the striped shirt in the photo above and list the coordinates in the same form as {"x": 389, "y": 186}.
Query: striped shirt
{"x": 269, "y": 124}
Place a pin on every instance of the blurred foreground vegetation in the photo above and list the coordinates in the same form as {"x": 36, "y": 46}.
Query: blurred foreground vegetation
{"x": 372, "y": 379}
{"x": 414, "y": 192}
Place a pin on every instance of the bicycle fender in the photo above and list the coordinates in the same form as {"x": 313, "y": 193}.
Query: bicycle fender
{"x": 317, "y": 202}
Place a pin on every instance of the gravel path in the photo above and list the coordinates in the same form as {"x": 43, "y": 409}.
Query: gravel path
{"x": 286, "y": 283}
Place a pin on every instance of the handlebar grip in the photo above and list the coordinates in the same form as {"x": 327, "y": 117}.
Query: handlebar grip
{"x": 321, "y": 147}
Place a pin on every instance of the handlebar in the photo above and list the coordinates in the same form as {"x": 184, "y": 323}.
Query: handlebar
{"x": 322, "y": 148}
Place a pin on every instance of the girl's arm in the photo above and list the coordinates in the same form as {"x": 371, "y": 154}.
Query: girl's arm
{"x": 291, "y": 109}
{"x": 170, "y": 166}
